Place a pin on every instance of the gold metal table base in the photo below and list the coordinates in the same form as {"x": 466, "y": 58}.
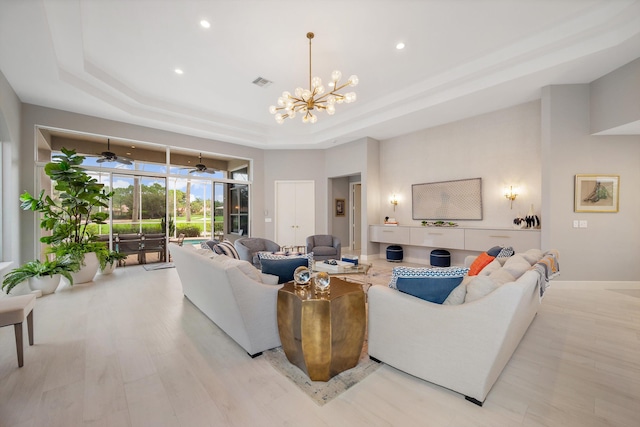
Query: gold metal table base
{"x": 322, "y": 335}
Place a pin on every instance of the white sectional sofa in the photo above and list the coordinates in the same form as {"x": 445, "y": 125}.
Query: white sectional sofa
{"x": 233, "y": 294}
{"x": 461, "y": 347}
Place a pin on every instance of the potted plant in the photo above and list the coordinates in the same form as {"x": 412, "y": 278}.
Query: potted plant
{"x": 108, "y": 260}
{"x": 44, "y": 276}
{"x": 67, "y": 217}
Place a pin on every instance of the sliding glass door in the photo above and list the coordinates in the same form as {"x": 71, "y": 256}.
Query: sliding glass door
{"x": 138, "y": 204}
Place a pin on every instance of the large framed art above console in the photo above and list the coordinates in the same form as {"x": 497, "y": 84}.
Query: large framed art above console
{"x": 448, "y": 200}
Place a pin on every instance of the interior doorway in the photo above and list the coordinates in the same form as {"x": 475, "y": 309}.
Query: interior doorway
{"x": 355, "y": 216}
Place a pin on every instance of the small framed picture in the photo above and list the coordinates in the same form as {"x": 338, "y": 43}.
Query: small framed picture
{"x": 596, "y": 193}
{"x": 340, "y": 207}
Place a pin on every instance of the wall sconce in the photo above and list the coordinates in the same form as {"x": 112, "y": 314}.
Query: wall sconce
{"x": 511, "y": 195}
{"x": 394, "y": 202}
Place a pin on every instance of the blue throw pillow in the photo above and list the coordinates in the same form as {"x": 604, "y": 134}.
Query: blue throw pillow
{"x": 433, "y": 289}
{"x": 283, "y": 268}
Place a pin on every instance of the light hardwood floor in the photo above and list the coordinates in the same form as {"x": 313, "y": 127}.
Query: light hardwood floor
{"x": 129, "y": 350}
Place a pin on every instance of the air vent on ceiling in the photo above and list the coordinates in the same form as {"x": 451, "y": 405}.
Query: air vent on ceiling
{"x": 262, "y": 82}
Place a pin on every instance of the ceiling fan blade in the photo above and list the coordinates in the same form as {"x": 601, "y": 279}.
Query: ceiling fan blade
{"x": 101, "y": 160}
{"x": 209, "y": 170}
{"x": 123, "y": 160}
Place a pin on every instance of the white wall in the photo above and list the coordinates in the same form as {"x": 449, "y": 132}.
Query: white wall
{"x": 10, "y": 114}
{"x": 609, "y": 248}
{"x": 502, "y": 148}
{"x": 360, "y": 157}
{"x": 614, "y": 98}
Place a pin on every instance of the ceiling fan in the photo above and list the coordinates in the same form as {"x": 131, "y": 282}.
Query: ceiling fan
{"x": 109, "y": 156}
{"x": 200, "y": 168}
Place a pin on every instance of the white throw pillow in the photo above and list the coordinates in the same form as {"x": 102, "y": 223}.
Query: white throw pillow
{"x": 490, "y": 268}
{"x": 517, "y": 270}
{"x": 532, "y": 255}
{"x": 457, "y": 296}
{"x": 479, "y": 287}
{"x": 517, "y": 259}
{"x": 502, "y": 276}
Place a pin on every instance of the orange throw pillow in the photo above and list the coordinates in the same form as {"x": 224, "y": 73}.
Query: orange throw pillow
{"x": 480, "y": 263}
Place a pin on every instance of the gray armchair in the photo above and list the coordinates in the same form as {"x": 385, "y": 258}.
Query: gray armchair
{"x": 248, "y": 248}
{"x": 324, "y": 246}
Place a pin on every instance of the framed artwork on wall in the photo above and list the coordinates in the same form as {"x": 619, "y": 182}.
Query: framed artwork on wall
{"x": 340, "y": 207}
{"x": 447, "y": 200}
{"x": 596, "y": 193}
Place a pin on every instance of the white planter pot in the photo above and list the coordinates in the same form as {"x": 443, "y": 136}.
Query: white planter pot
{"x": 21, "y": 288}
{"x": 88, "y": 271}
{"x": 108, "y": 269}
{"x": 46, "y": 284}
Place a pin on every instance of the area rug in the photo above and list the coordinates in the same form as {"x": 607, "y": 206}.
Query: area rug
{"x": 319, "y": 391}
{"x": 158, "y": 266}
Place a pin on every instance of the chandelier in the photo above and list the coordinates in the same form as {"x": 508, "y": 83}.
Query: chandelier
{"x": 304, "y": 101}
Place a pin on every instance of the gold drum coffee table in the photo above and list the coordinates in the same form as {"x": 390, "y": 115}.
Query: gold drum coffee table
{"x": 322, "y": 334}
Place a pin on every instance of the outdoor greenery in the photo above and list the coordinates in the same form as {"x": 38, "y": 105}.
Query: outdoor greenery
{"x": 63, "y": 266}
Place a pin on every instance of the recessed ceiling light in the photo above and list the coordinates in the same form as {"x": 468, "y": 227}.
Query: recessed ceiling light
{"x": 205, "y": 24}
{"x": 400, "y": 46}
{"x": 179, "y": 71}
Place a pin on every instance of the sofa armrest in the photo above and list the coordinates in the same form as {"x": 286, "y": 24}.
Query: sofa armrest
{"x": 257, "y": 303}
{"x": 269, "y": 279}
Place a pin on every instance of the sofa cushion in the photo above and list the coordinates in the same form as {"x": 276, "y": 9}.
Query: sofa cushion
{"x": 417, "y": 272}
{"x": 433, "y": 289}
{"x": 480, "y": 286}
{"x": 283, "y": 268}
{"x": 457, "y": 296}
{"x": 244, "y": 266}
{"x": 325, "y": 250}
{"x": 481, "y": 262}
{"x": 226, "y": 248}
{"x": 516, "y": 265}
{"x": 490, "y": 268}
{"x": 503, "y": 276}
{"x": 532, "y": 255}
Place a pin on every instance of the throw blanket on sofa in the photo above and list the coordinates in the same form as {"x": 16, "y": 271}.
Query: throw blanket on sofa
{"x": 548, "y": 268}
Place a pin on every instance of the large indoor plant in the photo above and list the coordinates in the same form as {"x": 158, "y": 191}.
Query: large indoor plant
{"x": 77, "y": 203}
{"x": 43, "y": 276}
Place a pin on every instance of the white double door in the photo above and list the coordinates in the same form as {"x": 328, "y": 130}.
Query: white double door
{"x": 295, "y": 212}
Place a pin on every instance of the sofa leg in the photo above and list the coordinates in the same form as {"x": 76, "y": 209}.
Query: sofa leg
{"x": 374, "y": 359}
{"x": 253, "y": 356}
{"x": 472, "y": 400}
